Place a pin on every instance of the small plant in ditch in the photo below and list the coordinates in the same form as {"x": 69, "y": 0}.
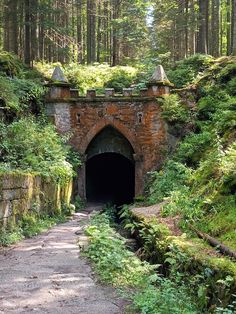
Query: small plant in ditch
{"x": 138, "y": 280}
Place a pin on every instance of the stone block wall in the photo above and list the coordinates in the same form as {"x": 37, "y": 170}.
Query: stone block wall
{"x": 22, "y": 193}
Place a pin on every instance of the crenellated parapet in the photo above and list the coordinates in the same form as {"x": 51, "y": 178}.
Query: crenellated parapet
{"x": 59, "y": 88}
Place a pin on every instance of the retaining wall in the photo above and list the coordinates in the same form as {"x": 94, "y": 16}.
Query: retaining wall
{"x": 22, "y": 193}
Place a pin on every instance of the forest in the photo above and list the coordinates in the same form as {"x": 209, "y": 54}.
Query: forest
{"x": 172, "y": 249}
{"x": 115, "y": 31}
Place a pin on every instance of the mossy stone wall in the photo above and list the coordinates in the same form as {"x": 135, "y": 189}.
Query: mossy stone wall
{"x": 22, "y": 193}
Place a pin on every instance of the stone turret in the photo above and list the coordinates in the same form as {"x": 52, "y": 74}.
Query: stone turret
{"x": 158, "y": 84}
{"x": 59, "y": 85}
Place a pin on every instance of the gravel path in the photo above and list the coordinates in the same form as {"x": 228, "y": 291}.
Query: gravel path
{"x": 46, "y": 274}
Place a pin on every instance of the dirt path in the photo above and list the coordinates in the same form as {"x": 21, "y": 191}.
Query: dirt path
{"x": 46, "y": 274}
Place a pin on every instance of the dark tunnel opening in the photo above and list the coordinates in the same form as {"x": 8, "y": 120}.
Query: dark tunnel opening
{"x": 110, "y": 178}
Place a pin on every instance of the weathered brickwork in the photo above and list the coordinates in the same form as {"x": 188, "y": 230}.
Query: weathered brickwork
{"x": 137, "y": 118}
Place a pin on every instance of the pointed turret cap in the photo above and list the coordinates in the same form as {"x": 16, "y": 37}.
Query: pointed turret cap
{"x": 58, "y": 75}
{"x": 159, "y": 76}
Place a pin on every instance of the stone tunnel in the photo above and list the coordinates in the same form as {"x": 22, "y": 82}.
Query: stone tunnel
{"x": 120, "y": 138}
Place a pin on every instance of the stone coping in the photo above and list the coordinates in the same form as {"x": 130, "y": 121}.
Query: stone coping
{"x": 118, "y": 98}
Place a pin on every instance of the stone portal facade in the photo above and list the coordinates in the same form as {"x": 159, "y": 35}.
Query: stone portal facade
{"x": 137, "y": 118}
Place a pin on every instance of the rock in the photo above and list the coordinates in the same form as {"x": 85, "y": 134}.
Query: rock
{"x": 83, "y": 242}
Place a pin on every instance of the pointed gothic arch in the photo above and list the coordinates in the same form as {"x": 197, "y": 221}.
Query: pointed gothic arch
{"x": 105, "y": 122}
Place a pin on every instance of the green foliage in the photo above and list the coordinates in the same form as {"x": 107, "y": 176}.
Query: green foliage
{"x": 119, "y": 80}
{"x": 8, "y": 98}
{"x": 186, "y": 70}
{"x": 29, "y": 225}
{"x": 94, "y": 76}
{"x": 112, "y": 261}
{"x": 193, "y": 147}
{"x": 111, "y": 212}
{"x": 208, "y": 157}
{"x": 116, "y": 265}
{"x": 21, "y": 89}
{"x": 10, "y": 64}
{"x": 230, "y": 309}
{"x": 168, "y": 298}
{"x": 10, "y": 236}
{"x": 34, "y": 146}
{"x": 182, "y": 203}
{"x": 153, "y": 238}
{"x": 231, "y": 86}
{"x": 226, "y": 73}
{"x": 79, "y": 203}
{"x": 73, "y": 157}
{"x": 33, "y": 224}
{"x": 215, "y": 102}
{"x": 173, "y": 110}
{"x": 163, "y": 182}
{"x": 20, "y": 95}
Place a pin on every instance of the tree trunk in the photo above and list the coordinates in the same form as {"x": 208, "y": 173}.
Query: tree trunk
{"x": 192, "y": 29}
{"x": 228, "y": 27}
{"x": 215, "y": 28}
{"x": 202, "y": 19}
{"x": 79, "y": 31}
{"x": 27, "y": 47}
{"x": 89, "y": 59}
{"x": 233, "y": 38}
{"x": 186, "y": 26}
{"x": 99, "y": 35}
{"x": 11, "y": 26}
{"x": 115, "y": 41}
{"x": 34, "y": 28}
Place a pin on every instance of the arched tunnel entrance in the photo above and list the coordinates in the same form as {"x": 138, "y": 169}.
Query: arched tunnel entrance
{"x": 110, "y": 168}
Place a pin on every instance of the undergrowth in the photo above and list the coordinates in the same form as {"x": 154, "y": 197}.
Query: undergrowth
{"x": 198, "y": 182}
{"x": 31, "y": 224}
{"x": 98, "y": 76}
{"x": 21, "y": 89}
{"x": 34, "y": 146}
{"x": 149, "y": 291}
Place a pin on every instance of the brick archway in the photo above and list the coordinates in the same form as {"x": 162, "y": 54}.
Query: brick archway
{"x": 137, "y": 118}
{"x": 116, "y": 125}
{"x": 130, "y": 136}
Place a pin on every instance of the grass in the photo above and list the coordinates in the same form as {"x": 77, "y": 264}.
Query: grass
{"x": 29, "y": 226}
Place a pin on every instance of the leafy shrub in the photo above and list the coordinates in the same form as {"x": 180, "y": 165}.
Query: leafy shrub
{"x": 94, "y": 76}
{"x": 224, "y": 118}
{"x": 186, "y": 70}
{"x": 7, "y": 96}
{"x": 181, "y": 76}
{"x": 215, "y": 100}
{"x": 79, "y": 203}
{"x": 119, "y": 80}
{"x": 231, "y": 86}
{"x": 182, "y": 203}
{"x": 116, "y": 265}
{"x": 19, "y": 95}
{"x": 10, "y": 236}
{"x": 112, "y": 261}
{"x": 34, "y": 146}
{"x": 165, "y": 181}
{"x": 10, "y": 64}
{"x": 173, "y": 110}
{"x": 168, "y": 298}
{"x": 29, "y": 225}
{"x": 226, "y": 73}
{"x": 193, "y": 147}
